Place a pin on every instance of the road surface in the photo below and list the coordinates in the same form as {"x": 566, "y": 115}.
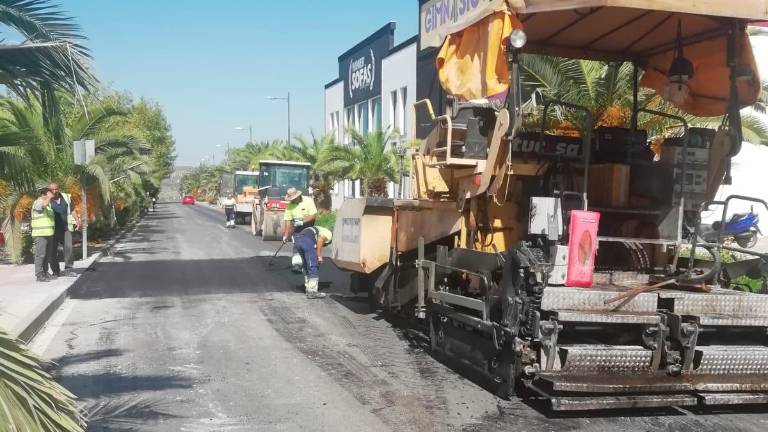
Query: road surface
{"x": 186, "y": 328}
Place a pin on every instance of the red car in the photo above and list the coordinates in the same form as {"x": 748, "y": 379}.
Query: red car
{"x": 188, "y": 199}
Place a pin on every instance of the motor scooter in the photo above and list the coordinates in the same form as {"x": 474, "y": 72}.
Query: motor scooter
{"x": 742, "y": 228}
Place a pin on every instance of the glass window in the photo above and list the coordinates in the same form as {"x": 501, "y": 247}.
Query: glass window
{"x": 376, "y": 114}
{"x": 404, "y": 109}
{"x": 349, "y": 122}
{"x": 276, "y": 179}
{"x": 394, "y": 112}
{"x": 363, "y": 125}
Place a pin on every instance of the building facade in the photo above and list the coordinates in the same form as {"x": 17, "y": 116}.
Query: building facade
{"x": 375, "y": 89}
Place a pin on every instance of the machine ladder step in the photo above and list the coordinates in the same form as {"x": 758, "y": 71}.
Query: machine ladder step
{"x": 730, "y": 360}
{"x": 605, "y": 359}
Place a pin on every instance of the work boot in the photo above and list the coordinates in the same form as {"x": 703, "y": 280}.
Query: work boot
{"x": 312, "y": 286}
{"x": 296, "y": 264}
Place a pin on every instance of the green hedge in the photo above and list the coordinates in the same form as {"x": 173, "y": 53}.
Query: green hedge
{"x": 326, "y": 219}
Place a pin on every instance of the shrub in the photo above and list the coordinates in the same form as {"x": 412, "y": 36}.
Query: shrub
{"x": 326, "y": 219}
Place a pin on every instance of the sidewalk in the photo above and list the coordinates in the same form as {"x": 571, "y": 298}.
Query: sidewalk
{"x": 25, "y": 305}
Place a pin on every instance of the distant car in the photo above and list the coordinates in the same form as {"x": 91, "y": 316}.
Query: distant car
{"x": 188, "y": 199}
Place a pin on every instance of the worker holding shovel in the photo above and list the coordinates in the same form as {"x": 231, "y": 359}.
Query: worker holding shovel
{"x": 309, "y": 244}
{"x": 299, "y": 215}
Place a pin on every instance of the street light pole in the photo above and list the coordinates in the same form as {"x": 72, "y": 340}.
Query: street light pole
{"x": 242, "y": 129}
{"x": 288, "y": 100}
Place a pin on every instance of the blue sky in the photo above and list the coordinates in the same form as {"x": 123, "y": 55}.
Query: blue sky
{"x": 211, "y": 65}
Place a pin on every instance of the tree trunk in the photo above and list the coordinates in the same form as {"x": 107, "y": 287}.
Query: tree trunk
{"x": 376, "y": 187}
{"x": 323, "y": 199}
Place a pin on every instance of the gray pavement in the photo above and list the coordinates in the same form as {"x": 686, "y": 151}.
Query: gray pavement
{"x": 185, "y": 328}
{"x": 25, "y": 304}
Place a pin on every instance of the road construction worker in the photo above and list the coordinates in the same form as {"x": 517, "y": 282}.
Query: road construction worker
{"x": 309, "y": 243}
{"x": 229, "y": 204}
{"x": 43, "y": 229}
{"x": 67, "y": 221}
{"x": 299, "y": 215}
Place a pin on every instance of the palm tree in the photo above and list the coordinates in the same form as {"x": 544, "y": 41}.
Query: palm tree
{"x": 51, "y": 55}
{"x": 606, "y": 90}
{"x": 50, "y": 58}
{"x": 368, "y": 158}
{"x": 248, "y": 156}
{"x": 38, "y": 150}
{"x": 30, "y": 398}
{"x": 313, "y": 151}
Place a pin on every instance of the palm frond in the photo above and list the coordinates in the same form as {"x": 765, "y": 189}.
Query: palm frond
{"x": 30, "y": 399}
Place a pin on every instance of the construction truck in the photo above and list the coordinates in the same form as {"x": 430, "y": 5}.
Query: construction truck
{"x": 275, "y": 178}
{"x": 245, "y": 189}
{"x": 497, "y": 254}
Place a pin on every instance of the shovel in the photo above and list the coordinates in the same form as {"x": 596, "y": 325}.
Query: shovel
{"x": 272, "y": 260}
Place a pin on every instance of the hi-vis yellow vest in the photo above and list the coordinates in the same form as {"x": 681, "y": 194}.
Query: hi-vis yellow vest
{"x": 43, "y": 223}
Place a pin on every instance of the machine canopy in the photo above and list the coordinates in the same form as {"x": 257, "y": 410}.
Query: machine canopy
{"x": 471, "y": 63}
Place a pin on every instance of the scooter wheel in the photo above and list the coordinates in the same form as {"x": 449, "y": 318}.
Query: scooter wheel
{"x": 747, "y": 241}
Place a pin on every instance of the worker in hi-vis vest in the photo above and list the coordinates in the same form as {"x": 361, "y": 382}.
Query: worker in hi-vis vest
{"x": 309, "y": 243}
{"x": 229, "y": 204}
{"x": 43, "y": 228}
{"x": 299, "y": 214}
{"x": 66, "y": 221}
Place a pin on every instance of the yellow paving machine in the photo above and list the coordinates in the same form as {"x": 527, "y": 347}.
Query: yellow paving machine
{"x": 567, "y": 266}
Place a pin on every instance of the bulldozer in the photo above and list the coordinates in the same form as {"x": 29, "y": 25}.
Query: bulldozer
{"x": 568, "y": 267}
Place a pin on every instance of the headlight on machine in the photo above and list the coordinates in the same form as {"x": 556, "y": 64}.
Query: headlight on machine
{"x": 518, "y": 38}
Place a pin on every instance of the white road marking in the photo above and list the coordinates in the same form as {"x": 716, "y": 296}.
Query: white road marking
{"x": 45, "y": 336}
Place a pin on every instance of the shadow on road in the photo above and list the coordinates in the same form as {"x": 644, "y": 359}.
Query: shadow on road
{"x": 162, "y": 278}
{"x": 86, "y": 357}
{"x": 125, "y": 414}
{"x": 89, "y": 386}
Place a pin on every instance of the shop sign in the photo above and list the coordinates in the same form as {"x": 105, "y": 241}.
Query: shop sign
{"x": 361, "y": 71}
{"x": 439, "y": 18}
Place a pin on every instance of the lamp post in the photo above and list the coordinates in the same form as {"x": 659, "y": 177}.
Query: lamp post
{"x": 401, "y": 152}
{"x": 288, "y": 100}
{"x": 242, "y": 129}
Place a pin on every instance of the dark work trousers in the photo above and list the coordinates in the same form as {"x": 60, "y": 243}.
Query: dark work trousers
{"x": 63, "y": 238}
{"x": 44, "y": 247}
{"x": 306, "y": 244}
{"x": 230, "y": 212}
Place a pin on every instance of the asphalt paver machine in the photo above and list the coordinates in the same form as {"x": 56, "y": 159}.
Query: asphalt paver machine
{"x": 555, "y": 264}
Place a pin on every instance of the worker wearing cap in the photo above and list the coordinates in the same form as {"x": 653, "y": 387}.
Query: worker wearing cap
{"x": 67, "y": 221}
{"x": 229, "y": 204}
{"x": 299, "y": 214}
{"x": 310, "y": 243}
{"x": 43, "y": 229}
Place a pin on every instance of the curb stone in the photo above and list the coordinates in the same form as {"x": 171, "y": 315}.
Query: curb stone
{"x": 29, "y": 329}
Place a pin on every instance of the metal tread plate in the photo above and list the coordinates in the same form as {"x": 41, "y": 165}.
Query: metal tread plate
{"x": 725, "y": 320}
{"x": 651, "y": 383}
{"x": 608, "y": 317}
{"x": 718, "y": 303}
{"x": 731, "y": 359}
{"x": 605, "y": 359}
{"x": 584, "y": 403}
{"x": 733, "y": 398}
{"x": 593, "y": 300}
